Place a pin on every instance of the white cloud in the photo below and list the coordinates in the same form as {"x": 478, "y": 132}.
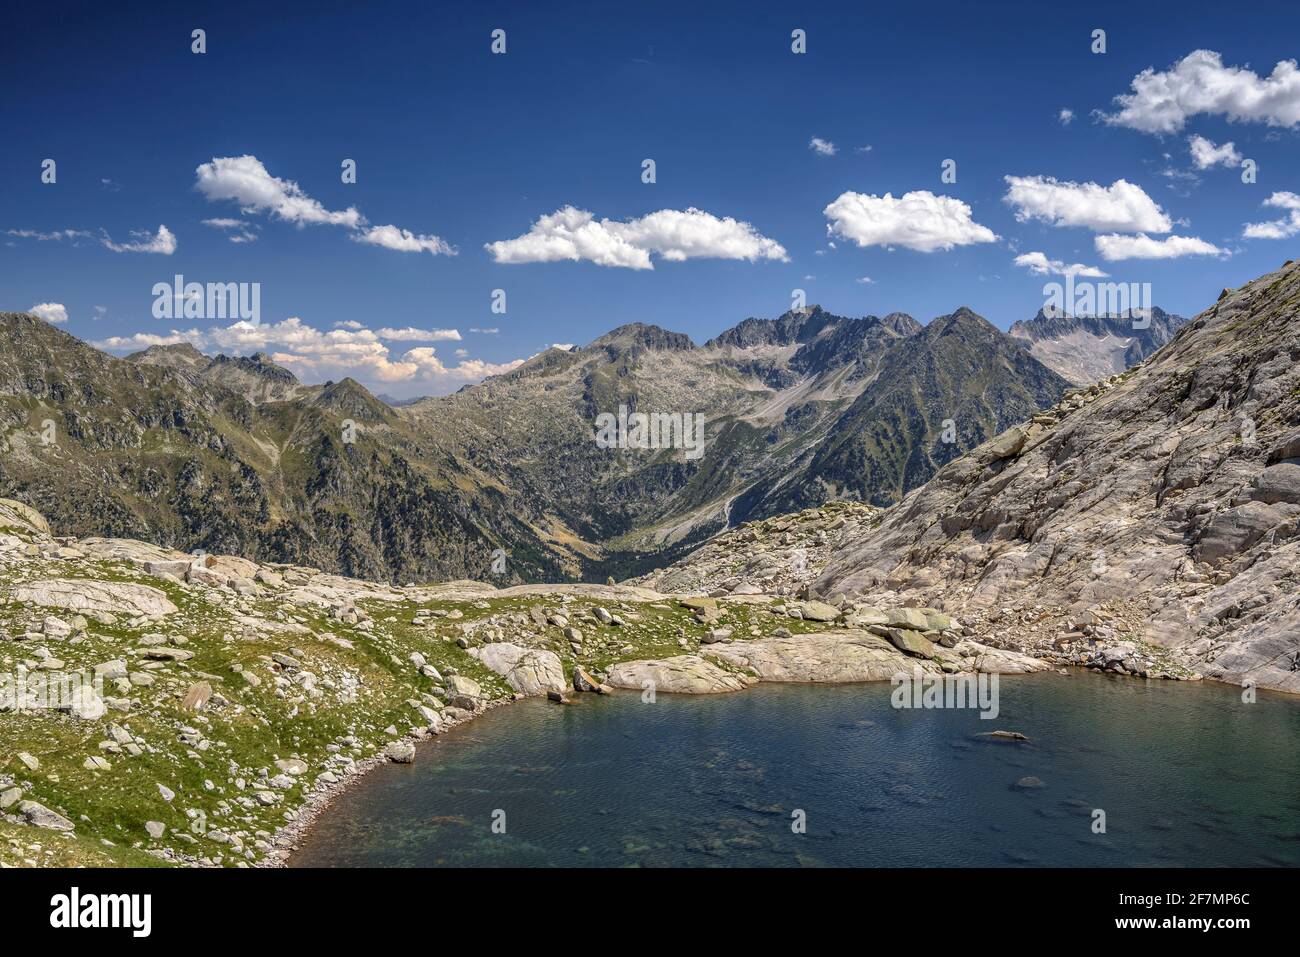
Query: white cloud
{"x": 57, "y": 235}
{"x": 52, "y": 312}
{"x": 1121, "y": 207}
{"x": 493, "y": 331}
{"x": 1114, "y": 247}
{"x": 675, "y": 235}
{"x": 1205, "y": 154}
{"x": 1199, "y": 83}
{"x": 403, "y": 240}
{"x": 163, "y": 243}
{"x": 244, "y": 180}
{"x": 410, "y": 334}
{"x": 1040, "y": 265}
{"x": 865, "y": 280}
{"x": 143, "y": 340}
{"x": 241, "y": 230}
{"x": 918, "y": 220}
{"x": 862, "y": 149}
{"x": 348, "y": 349}
{"x": 1277, "y": 228}
{"x": 822, "y": 147}
{"x": 1065, "y": 117}
{"x": 428, "y": 367}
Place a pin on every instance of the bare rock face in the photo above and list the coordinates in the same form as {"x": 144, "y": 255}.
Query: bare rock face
{"x": 1172, "y": 487}
{"x": 832, "y": 657}
{"x": 85, "y": 596}
{"x": 684, "y": 674}
{"x": 18, "y": 517}
{"x": 529, "y": 671}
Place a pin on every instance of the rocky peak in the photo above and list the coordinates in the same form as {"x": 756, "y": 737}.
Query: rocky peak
{"x": 642, "y": 335}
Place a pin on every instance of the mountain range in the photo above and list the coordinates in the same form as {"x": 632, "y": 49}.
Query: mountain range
{"x": 236, "y": 455}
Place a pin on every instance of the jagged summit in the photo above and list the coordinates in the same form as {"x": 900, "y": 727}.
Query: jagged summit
{"x": 1086, "y": 349}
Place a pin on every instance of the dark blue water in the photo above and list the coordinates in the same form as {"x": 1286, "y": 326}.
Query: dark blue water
{"x": 1186, "y": 774}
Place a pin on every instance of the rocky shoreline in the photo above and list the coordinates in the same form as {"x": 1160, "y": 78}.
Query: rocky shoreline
{"x": 239, "y": 700}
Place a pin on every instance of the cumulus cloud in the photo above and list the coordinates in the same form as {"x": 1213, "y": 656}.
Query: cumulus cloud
{"x": 1121, "y": 207}
{"x": 822, "y": 147}
{"x": 53, "y": 312}
{"x": 1065, "y": 117}
{"x": 1205, "y": 154}
{"x": 143, "y": 340}
{"x": 1114, "y": 247}
{"x": 1199, "y": 83}
{"x": 163, "y": 242}
{"x": 675, "y": 235}
{"x": 246, "y": 181}
{"x": 918, "y": 220}
{"x": 403, "y": 240}
{"x": 347, "y": 349}
{"x": 1040, "y": 265}
{"x": 1277, "y": 228}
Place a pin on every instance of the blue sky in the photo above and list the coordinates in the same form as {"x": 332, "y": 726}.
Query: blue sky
{"x": 457, "y": 148}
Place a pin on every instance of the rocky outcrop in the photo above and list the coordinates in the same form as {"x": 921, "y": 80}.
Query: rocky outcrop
{"x": 1163, "y": 498}
{"x": 682, "y": 674}
{"x": 97, "y": 597}
{"x": 527, "y": 670}
{"x": 828, "y": 657}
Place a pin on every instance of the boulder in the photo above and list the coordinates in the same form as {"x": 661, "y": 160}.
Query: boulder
{"x": 911, "y": 642}
{"x": 699, "y": 604}
{"x": 461, "y": 685}
{"x": 1278, "y": 484}
{"x": 83, "y": 703}
{"x": 400, "y": 752}
{"x": 529, "y": 671}
{"x": 1009, "y": 443}
{"x": 197, "y": 697}
{"x": 819, "y": 611}
{"x": 38, "y": 815}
